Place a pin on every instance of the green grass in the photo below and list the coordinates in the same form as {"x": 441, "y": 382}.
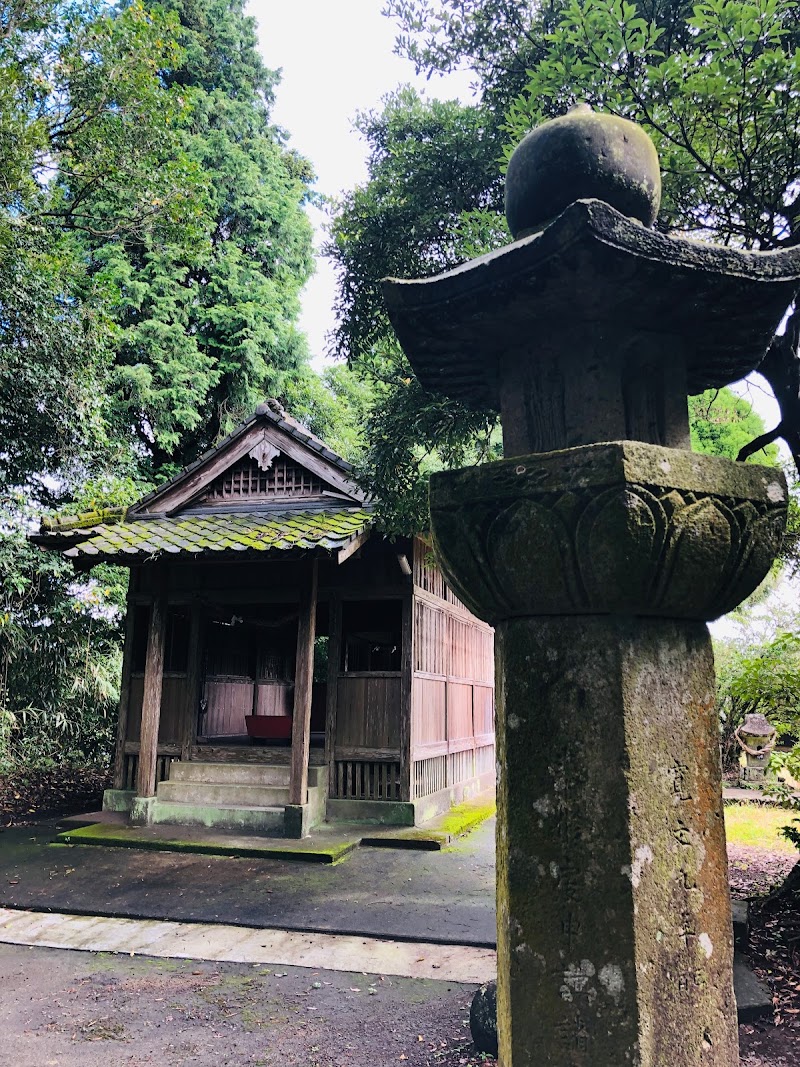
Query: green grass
{"x": 757, "y": 825}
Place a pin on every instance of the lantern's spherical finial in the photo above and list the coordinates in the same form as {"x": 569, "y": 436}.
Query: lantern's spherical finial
{"x": 581, "y": 155}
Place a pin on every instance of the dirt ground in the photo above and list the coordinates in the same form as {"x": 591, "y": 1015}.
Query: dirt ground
{"x": 60, "y": 1009}
{"x": 63, "y": 1009}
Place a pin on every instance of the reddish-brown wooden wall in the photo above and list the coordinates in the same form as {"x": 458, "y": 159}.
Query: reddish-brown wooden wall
{"x": 452, "y": 692}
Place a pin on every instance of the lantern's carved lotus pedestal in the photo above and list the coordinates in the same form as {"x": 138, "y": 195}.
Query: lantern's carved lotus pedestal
{"x": 598, "y": 552}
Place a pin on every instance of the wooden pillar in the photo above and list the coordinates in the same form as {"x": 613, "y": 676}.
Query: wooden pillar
{"x": 406, "y": 669}
{"x": 334, "y": 659}
{"x": 151, "y": 698}
{"x": 125, "y": 690}
{"x": 194, "y": 680}
{"x": 303, "y": 685}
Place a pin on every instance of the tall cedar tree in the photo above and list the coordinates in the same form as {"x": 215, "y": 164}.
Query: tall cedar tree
{"x": 209, "y": 325}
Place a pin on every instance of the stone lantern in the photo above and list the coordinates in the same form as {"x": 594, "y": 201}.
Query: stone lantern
{"x": 756, "y": 739}
{"x": 599, "y": 548}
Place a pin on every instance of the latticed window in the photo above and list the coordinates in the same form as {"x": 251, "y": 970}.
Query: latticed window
{"x": 247, "y": 481}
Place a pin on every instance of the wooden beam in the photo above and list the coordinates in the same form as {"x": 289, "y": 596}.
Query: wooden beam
{"x": 303, "y": 684}
{"x": 406, "y": 673}
{"x": 369, "y": 755}
{"x": 124, "y": 691}
{"x": 194, "y": 680}
{"x": 332, "y": 692}
{"x": 353, "y": 546}
{"x": 151, "y": 698}
{"x": 179, "y": 495}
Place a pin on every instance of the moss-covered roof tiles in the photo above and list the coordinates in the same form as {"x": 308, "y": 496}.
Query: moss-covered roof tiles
{"x": 138, "y": 540}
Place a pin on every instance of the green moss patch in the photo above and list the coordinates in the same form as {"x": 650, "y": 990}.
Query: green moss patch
{"x": 129, "y": 837}
{"x": 465, "y": 817}
{"x": 456, "y": 822}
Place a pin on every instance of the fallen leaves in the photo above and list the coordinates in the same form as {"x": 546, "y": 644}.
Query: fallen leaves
{"x": 56, "y": 790}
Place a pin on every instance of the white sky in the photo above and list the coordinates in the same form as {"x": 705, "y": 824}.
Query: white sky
{"x": 337, "y": 59}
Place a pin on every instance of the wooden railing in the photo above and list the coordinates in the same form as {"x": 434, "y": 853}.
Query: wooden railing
{"x": 130, "y": 763}
{"x": 359, "y": 779}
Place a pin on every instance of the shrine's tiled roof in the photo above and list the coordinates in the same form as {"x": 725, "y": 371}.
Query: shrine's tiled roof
{"x": 109, "y": 535}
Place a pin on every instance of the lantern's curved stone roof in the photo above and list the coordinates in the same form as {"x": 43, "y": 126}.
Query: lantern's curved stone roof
{"x": 593, "y": 266}
{"x": 117, "y": 539}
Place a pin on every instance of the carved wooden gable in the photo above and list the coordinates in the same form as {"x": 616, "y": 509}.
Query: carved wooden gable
{"x": 257, "y": 478}
{"x": 263, "y": 463}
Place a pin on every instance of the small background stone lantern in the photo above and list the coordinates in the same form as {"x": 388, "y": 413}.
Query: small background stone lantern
{"x": 756, "y": 738}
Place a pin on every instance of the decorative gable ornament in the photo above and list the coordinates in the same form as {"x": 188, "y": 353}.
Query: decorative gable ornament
{"x": 264, "y": 454}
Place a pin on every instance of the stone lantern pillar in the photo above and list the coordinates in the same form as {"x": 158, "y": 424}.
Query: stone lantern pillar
{"x": 598, "y": 548}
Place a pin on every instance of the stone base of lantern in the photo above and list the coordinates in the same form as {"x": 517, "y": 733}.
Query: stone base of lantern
{"x": 614, "y": 920}
{"x": 754, "y": 772}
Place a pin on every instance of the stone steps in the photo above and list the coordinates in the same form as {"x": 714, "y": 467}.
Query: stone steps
{"x": 263, "y": 774}
{"x": 227, "y": 795}
{"x": 263, "y": 818}
{"x": 753, "y": 1000}
{"x": 243, "y": 796}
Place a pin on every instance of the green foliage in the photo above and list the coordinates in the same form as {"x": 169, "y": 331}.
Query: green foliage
{"x": 722, "y": 423}
{"x": 54, "y": 356}
{"x": 498, "y": 40}
{"x": 433, "y": 200}
{"x": 335, "y": 406}
{"x": 88, "y": 148}
{"x": 432, "y": 165}
{"x": 60, "y": 653}
{"x": 412, "y": 433}
{"x": 87, "y": 136}
{"x": 207, "y": 318}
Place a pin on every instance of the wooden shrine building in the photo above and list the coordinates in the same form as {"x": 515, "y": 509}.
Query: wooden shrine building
{"x": 284, "y": 663}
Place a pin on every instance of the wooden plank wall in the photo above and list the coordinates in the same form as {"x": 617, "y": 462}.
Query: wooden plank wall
{"x": 368, "y": 711}
{"x": 452, "y": 695}
{"x": 174, "y": 698}
{"x": 274, "y": 698}
{"x": 367, "y": 762}
{"x": 228, "y": 702}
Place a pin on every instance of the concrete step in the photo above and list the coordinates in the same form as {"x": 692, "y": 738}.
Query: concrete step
{"x": 753, "y": 999}
{"x": 741, "y": 924}
{"x": 227, "y": 795}
{"x": 229, "y": 773}
{"x": 236, "y": 773}
{"x": 266, "y": 820}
